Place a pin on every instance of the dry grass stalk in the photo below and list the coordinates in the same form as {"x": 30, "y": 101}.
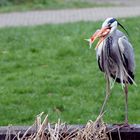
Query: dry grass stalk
{"x": 93, "y": 131}
{"x": 60, "y": 131}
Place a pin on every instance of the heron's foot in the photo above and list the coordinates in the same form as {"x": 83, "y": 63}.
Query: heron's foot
{"x": 118, "y": 125}
{"x": 123, "y": 125}
{"x": 126, "y": 124}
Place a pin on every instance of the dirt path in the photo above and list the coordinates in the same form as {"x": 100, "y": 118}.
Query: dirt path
{"x": 64, "y": 16}
{"x": 117, "y": 2}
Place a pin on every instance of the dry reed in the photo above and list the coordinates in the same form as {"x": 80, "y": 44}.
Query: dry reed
{"x": 94, "y": 130}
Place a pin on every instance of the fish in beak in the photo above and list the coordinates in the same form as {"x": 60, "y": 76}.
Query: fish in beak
{"x": 101, "y": 34}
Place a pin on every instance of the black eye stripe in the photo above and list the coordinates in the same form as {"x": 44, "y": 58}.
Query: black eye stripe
{"x": 111, "y": 21}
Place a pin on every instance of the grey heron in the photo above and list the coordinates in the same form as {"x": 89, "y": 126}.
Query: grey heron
{"x": 115, "y": 58}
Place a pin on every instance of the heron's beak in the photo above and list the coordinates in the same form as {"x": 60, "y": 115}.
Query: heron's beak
{"x": 101, "y": 34}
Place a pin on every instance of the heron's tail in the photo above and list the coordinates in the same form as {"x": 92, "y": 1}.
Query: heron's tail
{"x": 124, "y": 77}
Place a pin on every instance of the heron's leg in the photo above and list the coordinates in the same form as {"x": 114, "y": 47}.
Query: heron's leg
{"x": 125, "y": 124}
{"x": 107, "y": 94}
{"x": 126, "y": 103}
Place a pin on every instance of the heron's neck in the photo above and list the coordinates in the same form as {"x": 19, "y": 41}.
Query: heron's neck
{"x": 112, "y": 33}
{"x": 108, "y": 43}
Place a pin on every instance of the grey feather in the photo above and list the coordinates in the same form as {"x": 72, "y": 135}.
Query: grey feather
{"x": 116, "y": 58}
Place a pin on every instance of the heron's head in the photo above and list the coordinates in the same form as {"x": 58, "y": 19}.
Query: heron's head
{"x": 109, "y": 26}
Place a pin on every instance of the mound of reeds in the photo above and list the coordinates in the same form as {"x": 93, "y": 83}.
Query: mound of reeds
{"x": 93, "y": 130}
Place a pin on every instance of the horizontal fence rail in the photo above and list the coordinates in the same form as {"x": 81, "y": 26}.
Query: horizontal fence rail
{"x": 125, "y": 133}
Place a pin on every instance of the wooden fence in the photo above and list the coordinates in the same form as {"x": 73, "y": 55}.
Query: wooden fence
{"x": 125, "y": 133}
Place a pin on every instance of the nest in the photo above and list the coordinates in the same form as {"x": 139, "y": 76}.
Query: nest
{"x": 94, "y": 130}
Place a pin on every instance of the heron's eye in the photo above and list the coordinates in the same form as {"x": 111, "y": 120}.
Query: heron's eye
{"x": 109, "y": 24}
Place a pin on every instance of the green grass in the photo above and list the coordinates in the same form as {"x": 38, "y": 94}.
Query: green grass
{"x": 50, "y": 4}
{"x": 50, "y": 68}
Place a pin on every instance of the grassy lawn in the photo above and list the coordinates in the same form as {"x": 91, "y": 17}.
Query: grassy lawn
{"x": 50, "y": 68}
{"x": 50, "y": 4}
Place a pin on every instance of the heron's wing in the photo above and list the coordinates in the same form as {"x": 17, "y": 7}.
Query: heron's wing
{"x": 127, "y": 53}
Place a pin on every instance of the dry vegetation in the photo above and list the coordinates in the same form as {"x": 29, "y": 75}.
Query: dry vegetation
{"x": 61, "y": 131}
